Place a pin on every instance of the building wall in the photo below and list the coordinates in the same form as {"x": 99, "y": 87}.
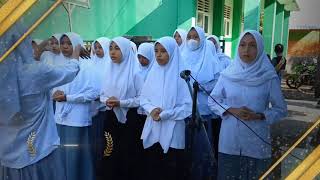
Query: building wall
{"x": 303, "y": 45}
{"x": 155, "y": 18}
{"x": 112, "y": 18}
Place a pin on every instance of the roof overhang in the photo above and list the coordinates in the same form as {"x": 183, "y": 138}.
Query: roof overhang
{"x": 289, "y": 5}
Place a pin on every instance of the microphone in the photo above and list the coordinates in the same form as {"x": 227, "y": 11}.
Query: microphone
{"x": 185, "y": 74}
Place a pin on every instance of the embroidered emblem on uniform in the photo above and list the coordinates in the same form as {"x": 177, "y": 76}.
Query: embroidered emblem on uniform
{"x": 109, "y": 145}
{"x": 30, "y": 143}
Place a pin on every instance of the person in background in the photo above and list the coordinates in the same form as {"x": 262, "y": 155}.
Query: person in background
{"x": 279, "y": 62}
{"x": 180, "y": 35}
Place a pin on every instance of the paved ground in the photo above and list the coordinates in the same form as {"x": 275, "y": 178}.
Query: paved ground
{"x": 302, "y": 114}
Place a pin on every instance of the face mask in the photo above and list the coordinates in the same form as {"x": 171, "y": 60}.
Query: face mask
{"x": 192, "y": 44}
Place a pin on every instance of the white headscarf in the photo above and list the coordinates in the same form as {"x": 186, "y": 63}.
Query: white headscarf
{"x": 119, "y": 78}
{"x": 104, "y": 42}
{"x": 51, "y": 58}
{"x": 134, "y": 47}
{"x": 202, "y": 62}
{"x": 146, "y": 50}
{"x": 217, "y": 46}
{"x": 183, "y": 34}
{"x": 100, "y": 64}
{"x": 83, "y": 80}
{"x": 37, "y": 41}
{"x": 224, "y": 59}
{"x": 254, "y": 74}
{"x": 57, "y": 36}
{"x": 165, "y": 89}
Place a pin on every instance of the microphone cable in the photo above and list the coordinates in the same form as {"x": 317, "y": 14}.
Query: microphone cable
{"x": 278, "y": 148}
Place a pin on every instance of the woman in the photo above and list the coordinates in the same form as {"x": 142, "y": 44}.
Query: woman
{"x": 121, "y": 127}
{"x": 73, "y": 116}
{"x": 167, "y": 102}
{"x": 245, "y": 89}
{"x": 224, "y": 60}
{"x": 205, "y": 68}
{"x": 99, "y": 58}
{"x": 30, "y": 141}
{"x": 180, "y": 35}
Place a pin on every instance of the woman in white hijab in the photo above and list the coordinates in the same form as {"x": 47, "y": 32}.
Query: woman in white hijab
{"x": 72, "y": 114}
{"x": 146, "y": 58}
{"x": 180, "y": 35}
{"x": 205, "y": 68}
{"x": 99, "y": 58}
{"x": 53, "y": 56}
{"x": 245, "y": 89}
{"x": 167, "y": 102}
{"x": 120, "y": 95}
{"x": 224, "y": 60}
{"x": 203, "y": 63}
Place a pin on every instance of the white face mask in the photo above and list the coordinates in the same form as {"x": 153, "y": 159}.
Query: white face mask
{"x": 192, "y": 44}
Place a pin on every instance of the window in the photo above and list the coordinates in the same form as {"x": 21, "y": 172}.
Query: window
{"x": 204, "y": 13}
{"x": 227, "y": 21}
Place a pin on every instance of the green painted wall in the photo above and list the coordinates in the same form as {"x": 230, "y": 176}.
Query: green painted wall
{"x": 251, "y": 14}
{"x": 269, "y": 25}
{"x": 278, "y": 30}
{"x": 218, "y": 18}
{"x": 236, "y": 25}
{"x": 164, "y": 20}
{"x": 112, "y": 18}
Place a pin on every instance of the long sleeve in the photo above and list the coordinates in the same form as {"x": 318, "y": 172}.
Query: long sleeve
{"x": 209, "y": 85}
{"x": 90, "y": 94}
{"x": 278, "y": 109}
{"x": 135, "y": 101}
{"x": 177, "y": 113}
{"x": 146, "y": 105}
{"x": 218, "y": 94}
{"x": 46, "y": 77}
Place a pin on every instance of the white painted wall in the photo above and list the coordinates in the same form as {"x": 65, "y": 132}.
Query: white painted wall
{"x": 308, "y": 17}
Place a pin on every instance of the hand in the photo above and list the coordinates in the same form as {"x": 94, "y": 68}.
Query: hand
{"x": 61, "y": 98}
{"x": 57, "y": 93}
{"x": 84, "y": 53}
{"x": 113, "y": 102}
{"x": 155, "y": 114}
{"x": 243, "y": 113}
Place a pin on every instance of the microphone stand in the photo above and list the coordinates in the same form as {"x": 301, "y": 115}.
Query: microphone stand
{"x": 194, "y": 126}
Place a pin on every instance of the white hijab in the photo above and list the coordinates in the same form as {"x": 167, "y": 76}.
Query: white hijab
{"x": 222, "y": 56}
{"x": 104, "y": 42}
{"x": 83, "y": 80}
{"x": 202, "y": 62}
{"x": 183, "y": 34}
{"x": 100, "y": 64}
{"x": 146, "y": 50}
{"x": 254, "y": 74}
{"x": 119, "y": 78}
{"x": 57, "y": 36}
{"x": 217, "y": 46}
{"x": 165, "y": 89}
